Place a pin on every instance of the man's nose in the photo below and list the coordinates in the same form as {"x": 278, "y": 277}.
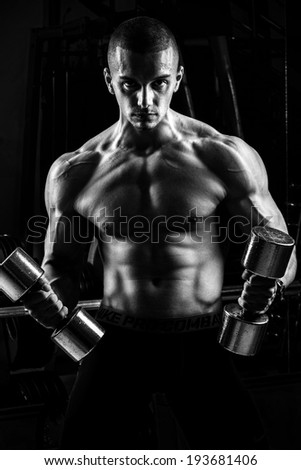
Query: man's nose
{"x": 145, "y": 97}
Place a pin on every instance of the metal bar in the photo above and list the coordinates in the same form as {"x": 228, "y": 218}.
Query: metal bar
{"x": 53, "y": 116}
{"x": 228, "y": 293}
{"x": 226, "y": 80}
{"x": 274, "y": 25}
{"x": 66, "y": 110}
{"x": 187, "y": 91}
{"x": 20, "y": 310}
{"x": 67, "y": 57}
{"x": 30, "y": 130}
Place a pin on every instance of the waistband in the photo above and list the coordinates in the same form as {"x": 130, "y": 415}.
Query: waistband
{"x": 192, "y": 323}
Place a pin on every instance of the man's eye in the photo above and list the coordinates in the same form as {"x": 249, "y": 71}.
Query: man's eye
{"x": 129, "y": 85}
{"x": 159, "y": 84}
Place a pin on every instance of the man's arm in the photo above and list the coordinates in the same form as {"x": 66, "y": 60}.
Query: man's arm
{"x": 248, "y": 196}
{"x": 64, "y": 251}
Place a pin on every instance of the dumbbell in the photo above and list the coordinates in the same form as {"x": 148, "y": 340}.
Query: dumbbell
{"x": 78, "y": 334}
{"x": 266, "y": 254}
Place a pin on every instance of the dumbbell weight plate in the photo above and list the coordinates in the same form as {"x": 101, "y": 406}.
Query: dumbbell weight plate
{"x": 79, "y": 335}
{"x": 241, "y": 335}
{"x": 268, "y": 252}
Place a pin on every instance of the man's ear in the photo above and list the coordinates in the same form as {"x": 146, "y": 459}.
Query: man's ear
{"x": 179, "y": 77}
{"x": 108, "y": 79}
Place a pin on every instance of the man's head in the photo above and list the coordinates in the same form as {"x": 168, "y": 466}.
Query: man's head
{"x": 144, "y": 70}
{"x": 142, "y": 35}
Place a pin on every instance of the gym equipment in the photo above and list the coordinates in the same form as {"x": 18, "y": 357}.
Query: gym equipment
{"x": 267, "y": 255}
{"x": 78, "y": 334}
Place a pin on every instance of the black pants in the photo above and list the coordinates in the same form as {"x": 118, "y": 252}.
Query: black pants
{"x": 110, "y": 403}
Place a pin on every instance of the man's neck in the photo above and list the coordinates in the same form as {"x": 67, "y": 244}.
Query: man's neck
{"x": 149, "y": 140}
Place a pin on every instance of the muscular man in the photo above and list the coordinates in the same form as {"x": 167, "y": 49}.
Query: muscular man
{"x": 149, "y": 188}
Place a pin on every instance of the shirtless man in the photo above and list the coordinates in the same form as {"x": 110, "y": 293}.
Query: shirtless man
{"x": 149, "y": 187}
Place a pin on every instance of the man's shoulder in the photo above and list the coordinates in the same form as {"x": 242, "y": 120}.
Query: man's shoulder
{"x": 73, "y": 164}
{"x": 209, "y": 138}
{"x": 67, "y": 175}
{"x": 232, "y": 152}
{"x": 194, "y": 129}
{"x": 217, "y": 145}
{"x": 232, "y": 159}
{"x": 99, "y": 142}
{"x": 239, "y": 164}
{"x": 70, "y": 172}
{"x": 81, "y": 160}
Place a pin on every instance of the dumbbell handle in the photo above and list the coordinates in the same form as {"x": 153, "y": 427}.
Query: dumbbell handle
{"x": 266, "y": 255}
{"x": 256, "y": 280}
{"x": 78, "y": 334}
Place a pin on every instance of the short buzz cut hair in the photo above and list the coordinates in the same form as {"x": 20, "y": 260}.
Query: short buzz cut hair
{"x": 142, "y": 34}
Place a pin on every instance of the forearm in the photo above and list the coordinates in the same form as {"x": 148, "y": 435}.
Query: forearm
{"x": 291, "y": 270}
{"x": 54, "y": 298}
{"x": 65, "y": 283}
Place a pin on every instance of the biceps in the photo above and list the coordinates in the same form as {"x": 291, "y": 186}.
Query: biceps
{"x": 67, "y": 241}
{"x": 257, "y": 209}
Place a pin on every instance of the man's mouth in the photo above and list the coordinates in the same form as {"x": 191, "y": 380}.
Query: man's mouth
{"x": 139, "y": 114}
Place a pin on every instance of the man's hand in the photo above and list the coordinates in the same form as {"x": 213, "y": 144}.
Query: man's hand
{"x": 45, "y": 306}
{"x": 258, "y": 293}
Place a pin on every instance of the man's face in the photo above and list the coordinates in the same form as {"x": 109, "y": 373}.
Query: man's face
{"x": 144, "y": 84}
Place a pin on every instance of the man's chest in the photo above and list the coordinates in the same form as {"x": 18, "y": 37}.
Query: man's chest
{"x": 151, "y": 187}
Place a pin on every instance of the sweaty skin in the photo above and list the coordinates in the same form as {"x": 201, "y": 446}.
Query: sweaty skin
{"x": 149, "y": 188}
{"x": 154, "y": 214}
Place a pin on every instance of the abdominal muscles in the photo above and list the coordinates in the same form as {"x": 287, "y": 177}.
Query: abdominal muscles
{"x": 163, "y": 280}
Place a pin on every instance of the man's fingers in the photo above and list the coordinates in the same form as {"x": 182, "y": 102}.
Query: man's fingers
{"x": 254, "y": 279}
{"x": 258, "y": 293}
{"x": 45, "y": 307}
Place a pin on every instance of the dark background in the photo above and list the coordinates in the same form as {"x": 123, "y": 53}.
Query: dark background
{"x": 45, "y": 44}
{"x": 53, "y": 99}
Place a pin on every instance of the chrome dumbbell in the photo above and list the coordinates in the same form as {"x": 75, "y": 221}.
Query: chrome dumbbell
{"x": 266, "y": 254}
{"x": 78, "y": 334}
